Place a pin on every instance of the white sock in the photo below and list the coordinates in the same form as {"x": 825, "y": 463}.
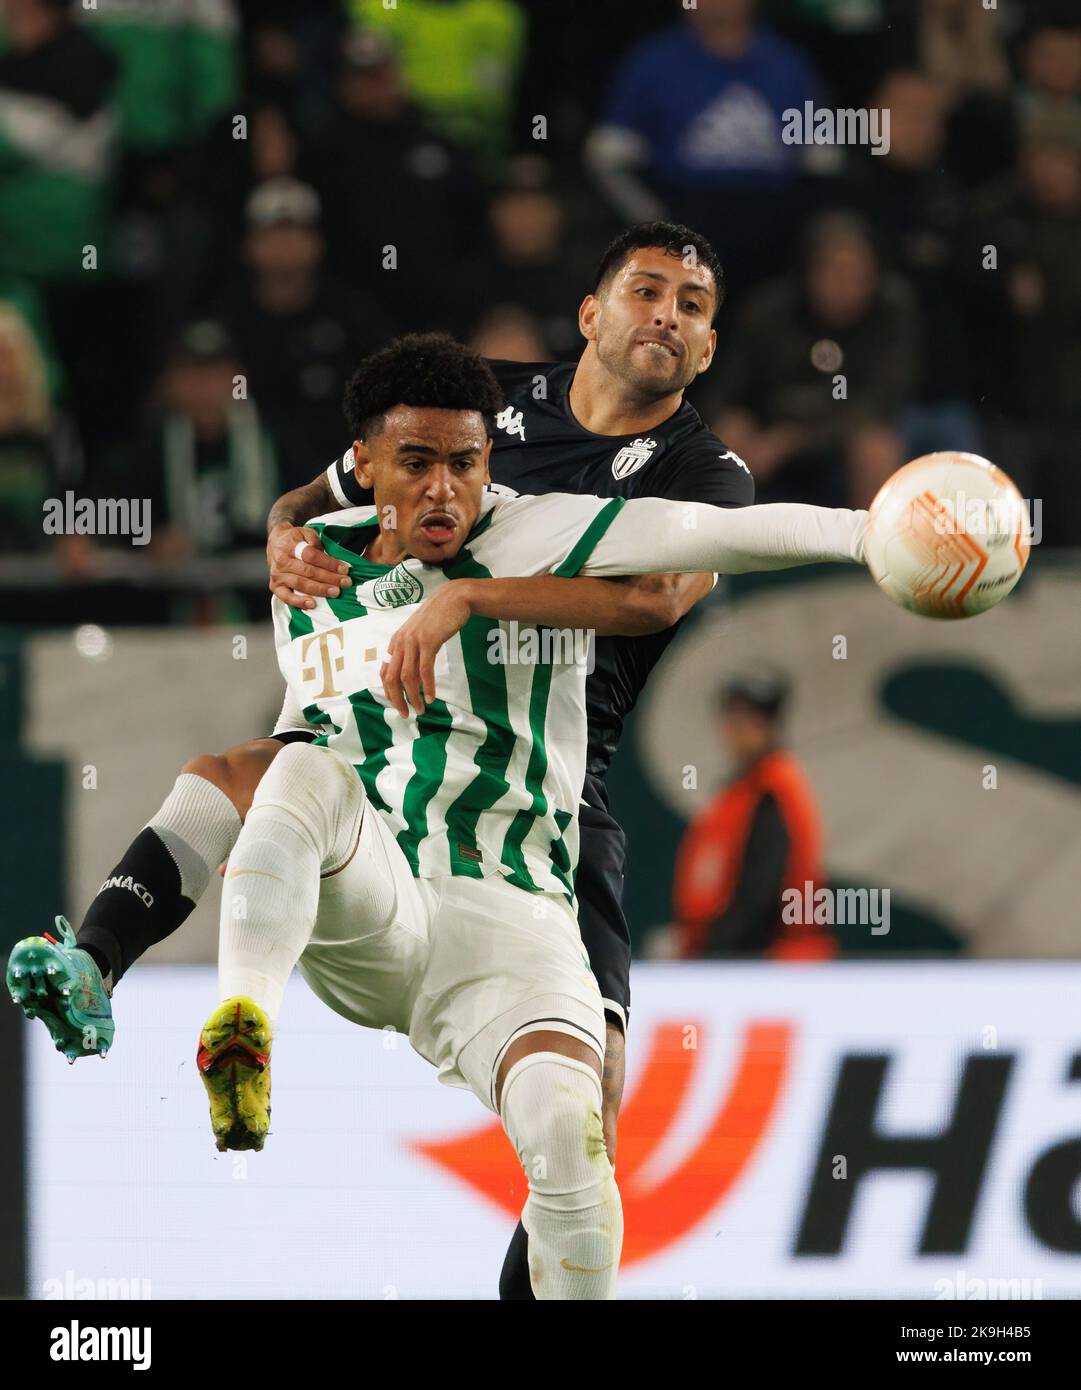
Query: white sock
{"x": 198, "y": 825}
{"x": 551, "y": 1111}
{"x": 304, "y": 820}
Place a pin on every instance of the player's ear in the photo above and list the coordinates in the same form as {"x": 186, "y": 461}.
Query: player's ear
{"x": 587, "y": 317}
{"x": 362, "y": 463}
{"x": 707, "y": 356}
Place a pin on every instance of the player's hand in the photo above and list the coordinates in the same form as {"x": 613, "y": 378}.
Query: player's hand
{"x": 408, "y": 674}
{"x": 300, "y": 569}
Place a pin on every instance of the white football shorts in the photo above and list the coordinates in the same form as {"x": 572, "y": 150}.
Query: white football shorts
{"x": 464, "y": 966}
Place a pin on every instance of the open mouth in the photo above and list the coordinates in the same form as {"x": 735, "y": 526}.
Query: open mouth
{"x": 438, "y": 527}
{"x": 659, "y": 344}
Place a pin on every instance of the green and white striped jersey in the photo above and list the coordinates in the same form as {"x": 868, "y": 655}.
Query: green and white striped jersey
{"x": 488, "y": 779}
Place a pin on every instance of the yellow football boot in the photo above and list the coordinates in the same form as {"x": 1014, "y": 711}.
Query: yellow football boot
{"x": 234, "y": 1062}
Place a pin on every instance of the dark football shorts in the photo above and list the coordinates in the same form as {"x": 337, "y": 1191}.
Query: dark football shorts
{"x": 602, "y": 852}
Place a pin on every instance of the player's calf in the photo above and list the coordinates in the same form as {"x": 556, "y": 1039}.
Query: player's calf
{"x": 303, "y": 821}
{"x": 151, "y": 892}
{"x": 166, "y": 869}
{"x": 551, "y": 1110}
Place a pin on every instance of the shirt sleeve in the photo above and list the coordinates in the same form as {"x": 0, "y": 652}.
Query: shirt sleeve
{"x": 291, "y": 726}
{"x": 551, "y": 534}
{"x": 706, "y": 470}
{"x": 344, "y": 487}
{"x": 653, "y": 535}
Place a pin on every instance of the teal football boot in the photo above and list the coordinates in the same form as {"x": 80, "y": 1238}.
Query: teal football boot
{"x": 60, "y": 984}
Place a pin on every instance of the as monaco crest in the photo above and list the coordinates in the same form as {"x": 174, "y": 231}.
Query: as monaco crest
{"x": 632, "y": 456}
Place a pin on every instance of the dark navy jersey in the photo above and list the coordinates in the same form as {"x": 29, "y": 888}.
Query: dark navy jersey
{"x": 539, "y": 446}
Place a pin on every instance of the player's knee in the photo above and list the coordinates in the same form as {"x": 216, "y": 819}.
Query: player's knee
{"x": 551, "y": 1108}
{"x": 237, "y": 771}
{"x": 320, "y": 794}
{"x": 212, "y": 767}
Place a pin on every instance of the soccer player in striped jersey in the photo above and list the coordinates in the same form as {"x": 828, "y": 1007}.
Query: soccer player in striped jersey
{"x": 615, "y": 424}
{"x": 419, "y": 870}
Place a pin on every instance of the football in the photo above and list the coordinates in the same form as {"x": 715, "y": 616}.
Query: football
{"x": 948, "y": 537}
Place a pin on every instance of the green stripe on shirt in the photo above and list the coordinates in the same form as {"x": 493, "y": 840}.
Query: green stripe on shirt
{"x": 429, "y": 750}
{"x": 587, "y": 541}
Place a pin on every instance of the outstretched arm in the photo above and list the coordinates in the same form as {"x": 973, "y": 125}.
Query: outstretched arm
{"x": 652, "y": 535}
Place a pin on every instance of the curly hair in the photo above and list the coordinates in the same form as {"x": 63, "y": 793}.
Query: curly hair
{"x": 420, "y": 369}
{"x": 670, "y": 237}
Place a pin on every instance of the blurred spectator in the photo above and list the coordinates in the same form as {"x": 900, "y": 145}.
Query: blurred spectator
{"x": 1029, "y": 349}
{"x": 206, "y": 227}
{"x": 510, "y": 334}
{"x": 756, "y": 839}
{"x": 56, "y": 125}
{"x": 961, "y": 46}
{"x": 22, "y": 296}
{"x": 692, "y": 132}
{"x": 460, "y": 61}
{"x": 570, "y": 48}
{"x": 290, "y": 50}
{"x": 178, "y": 67}
{"x": 57, "y": 122}
{"x": 820, "y": 368}
{"x": 917, "y": 211}
{"x": 850, "y": 42}
{"x": 1051, "y": 65}
{"x": 961, "y": 49}
{"x": 298, "y": 334}
{"x": 531, "y": 262}
{"x": 39, "y": 454}
{"x": 387, "y": 179}
{"x": 206, "y": 463}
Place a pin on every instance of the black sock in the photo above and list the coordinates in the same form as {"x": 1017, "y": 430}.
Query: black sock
{"x": 138, "y": 905}
{"x": 514, "y": 1285}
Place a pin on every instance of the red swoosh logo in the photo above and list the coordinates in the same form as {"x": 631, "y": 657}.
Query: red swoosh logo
{"x": 659, "y": 1213}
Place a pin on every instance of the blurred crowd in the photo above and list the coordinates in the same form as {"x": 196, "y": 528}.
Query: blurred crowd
{"x": 210, "y": 209}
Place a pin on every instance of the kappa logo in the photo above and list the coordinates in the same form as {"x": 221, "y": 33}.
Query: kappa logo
{"x": 659, "y": 1208}
{"x": 511, "y": 420}
{"x": 632, "y": 456}
{"x": 397, "y": 589}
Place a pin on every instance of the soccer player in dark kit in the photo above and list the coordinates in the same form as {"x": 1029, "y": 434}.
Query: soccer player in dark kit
{"x": 613, "y": 424}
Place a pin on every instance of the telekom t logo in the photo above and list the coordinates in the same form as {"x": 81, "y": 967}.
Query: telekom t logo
{"x": 656, "y": 1213}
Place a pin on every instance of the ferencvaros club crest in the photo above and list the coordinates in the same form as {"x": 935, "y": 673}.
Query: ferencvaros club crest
{"x": 397, "y": 589}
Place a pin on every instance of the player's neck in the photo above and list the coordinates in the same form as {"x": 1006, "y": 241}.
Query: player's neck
{"x": 602, "y": 404}
{"x": 385, "y": 549}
